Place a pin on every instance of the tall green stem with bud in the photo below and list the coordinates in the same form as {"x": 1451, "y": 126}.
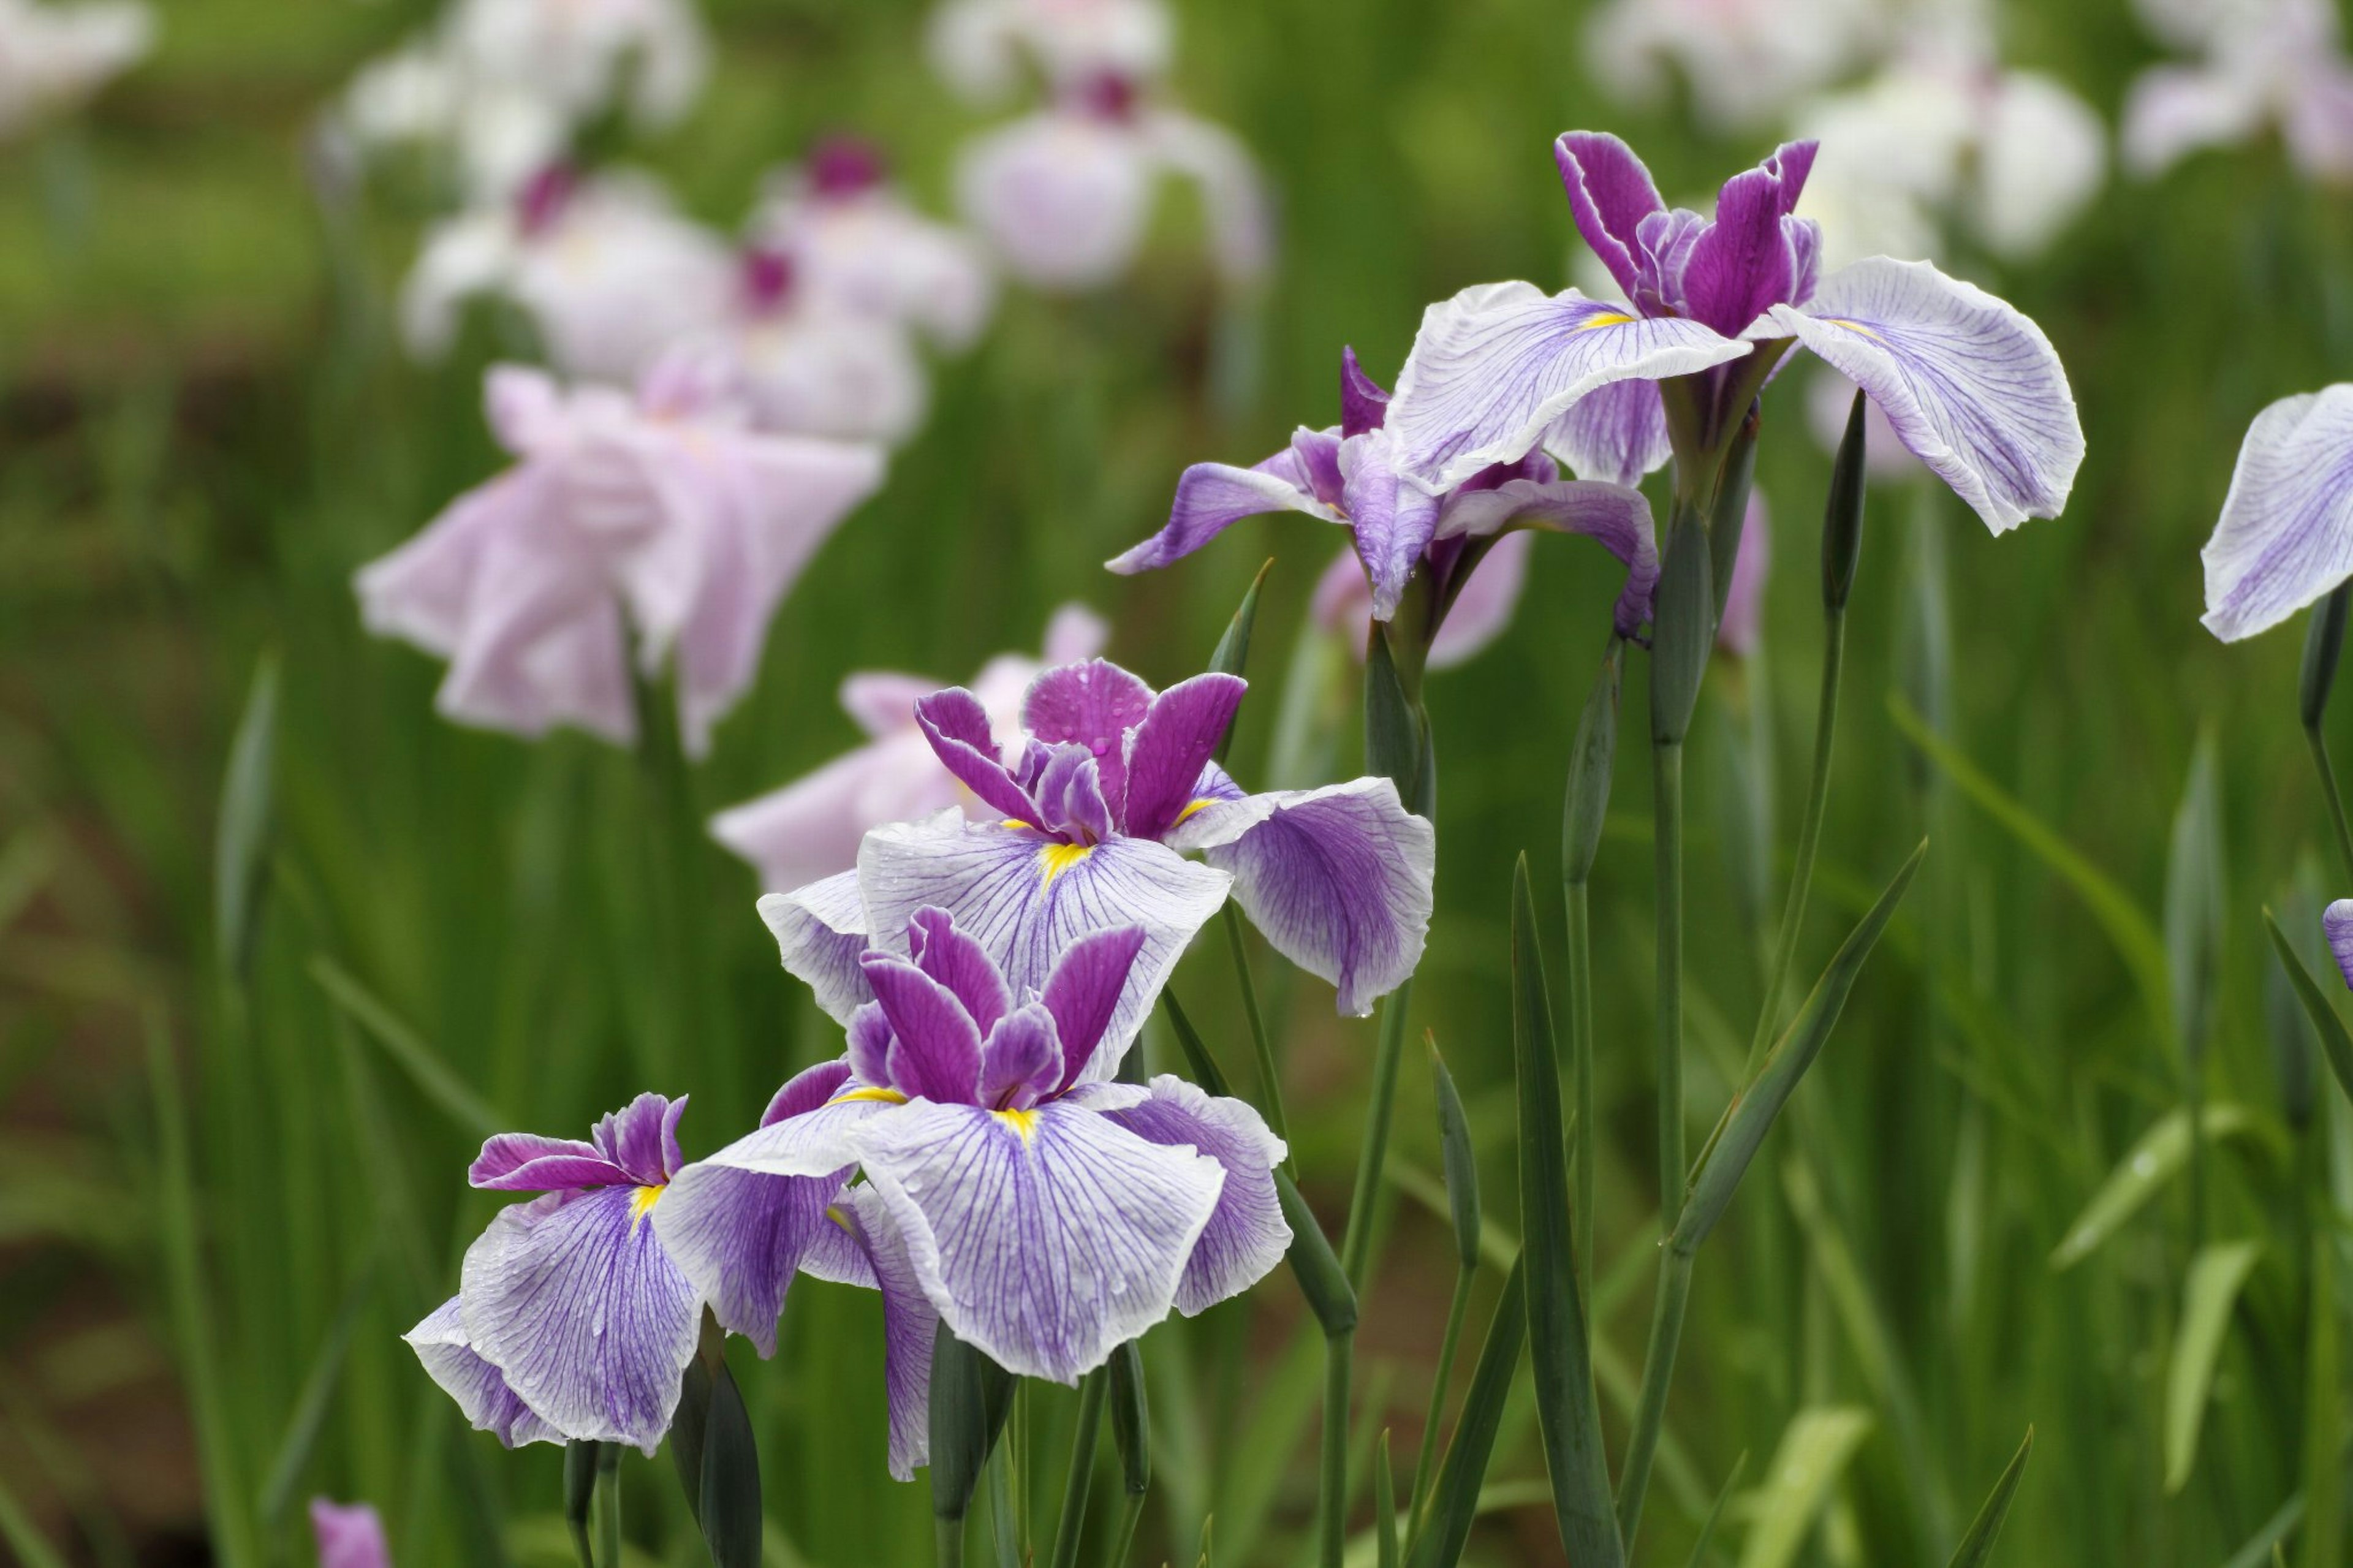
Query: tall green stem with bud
{"x": 2324, "y": 641}
{"x": 1586, "y": 801}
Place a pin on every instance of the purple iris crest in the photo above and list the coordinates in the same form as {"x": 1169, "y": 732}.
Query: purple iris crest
{"x": 1111, "y": 781}
{"x": 1046, "y": 1216}
{"x": 1970, "y": 385}
{"x": 571, "y": 1323}
{"x": 1350, "y": 474}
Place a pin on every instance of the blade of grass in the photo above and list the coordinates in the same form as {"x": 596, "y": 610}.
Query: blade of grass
{"x": 2209, "y": 1292}
{"x": 1977, "y": 1546}
{"x": 1455, "y": 1504}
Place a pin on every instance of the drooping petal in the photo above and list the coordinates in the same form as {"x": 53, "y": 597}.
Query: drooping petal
{"x": 1971, "y": 386}
{"x": 957, "y": 726}
{"x": 583, "y": 1313}
{"x": 1027, "y": 898}
{"x": 884, "y": 701}
{"x": 1044, "y": 1237}
{"x": 1618, "y": 517}
{"x": 1337, "y": 879}
{"x": 1093, "y": 704}
{"x": 1083, "y": 993}
{"x": 960, "y": 964}
{"x": 526, "y": 1163}
{"x": 1166, "y": 750}
{"x": 2285, "y": 536}
{"x": 1247, "y": 1236}
{"x": 820, "y": 931}
{"x": 349, "y": 1535}
{"x": 1617, "y": 433}
{"x": 1391, "y": 516}
{"x": 1363, "y": 404}
{"x": 1212, "y": 498}
{"x": 936, "y": 1052}
{"x": 909, "y": 1325}
{"x": 1021, "y": 1059}
{"x": 1747, "y": 261}
{"x": 1609, "y": 194}
{"x": 1493, "y": 368}
{"x": 488, "y": 1403}
{"x": 2337, "y": 925}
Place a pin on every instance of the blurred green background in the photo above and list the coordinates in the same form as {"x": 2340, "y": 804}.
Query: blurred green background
{"x": 220, "y": 1203}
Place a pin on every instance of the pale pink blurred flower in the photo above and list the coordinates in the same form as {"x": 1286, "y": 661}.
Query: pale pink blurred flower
{"x": 983, "y": 49}
{"x": 811, "y": 827}
{"x": 661, "y": 514}
{"x": 2264, "y": 62}
{"x": 1481, "y": 611}
{"x": 852, "y": 238}
{"x": 52, "y": 57}
{"x": 809, "y": 364}
{"x": 1829, "y": 398}
{"x": 1744, "y": 61}
{"x": 1742, "y": 630}
{"x": 349, "y": 1535}
{"x": 586, "y": 57}
{"x": 607, "y": 272}
{"x": 1064, "y": 194}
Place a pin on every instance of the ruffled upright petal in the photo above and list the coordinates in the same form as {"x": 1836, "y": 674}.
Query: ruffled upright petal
{"x": 957, "y": 726}
{"x": 1618, "y": 519}
{"x": 1969, "y": 383}
{"x": 1748, "y": 260}
{"x": 1247, "y": 1234}
{"x": 1338, "y": 880}
{"x": 1610, "y": 195}
{"x": 1092, "y": 704}
{"x": 1046, "y": 1237}
{"x": 1391, "y": 516}
{"x": 1493, "y": 368}
{"x": 1083, "y": 993}
{"x": 1169, "y": 746}
{"x": 2286, "y": 531}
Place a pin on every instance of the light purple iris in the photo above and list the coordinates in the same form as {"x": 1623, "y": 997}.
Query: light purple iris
{"x": 1046, "y": 1216}
{"x": 571, "y": 1323}
{"x": 1114, "y": 781}
{"x": 350, "y": 1535}
{"x": 2285, "y": 536}
{"x": 1354, "y": 474}
{"x": 2337, "y": 925}
{"x": 1970, "y": 385}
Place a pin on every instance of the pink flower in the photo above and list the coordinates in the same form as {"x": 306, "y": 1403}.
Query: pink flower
{"x": 811, "y": 827}
{"x": 664, "y": 515}
{"x": 350, "y": 1535}
{"x": 810, "y": 364}
{"x": 1344, "y": 602}
{"x": 2264, "y": 62}
{"x": 1742, "y": 630}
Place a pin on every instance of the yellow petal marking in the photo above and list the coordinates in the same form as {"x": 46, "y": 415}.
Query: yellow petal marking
{"x": 642, "y": 1201}
{"x": 1849, "y": 326}
{"x": 1605, "y": 319}
{"x": 1024, "y": 1123}
{"x": 886, "y": 1096}
{"x": 1057, "y": 859}
{"x": 1192, "y": 807}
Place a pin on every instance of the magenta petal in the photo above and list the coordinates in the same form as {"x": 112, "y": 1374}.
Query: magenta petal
{"x": 1747, "y": 262}
{"x": 526, "y": 1163}
{"x": 350, "y": 1535}
{"x": 870, "y": 1039}
{"x": 2337, "y": 925}
{"x": 1363, "y": 404}
{"x": 1167, "y": 751}
{"x": 936, "y": 1055}
{"x": 1021, "y": 1060}
{"x": 1609, "y": 194}
{"x": 1093, "y": 705}
{"x": 960, "y": 964}
{"x": 957, "y": 727}
{"x": 1083, "y": 993}
{"x": 1212, "y": 498}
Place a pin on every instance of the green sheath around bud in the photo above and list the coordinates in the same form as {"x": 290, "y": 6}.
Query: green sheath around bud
{"x": 1842, "y": 516}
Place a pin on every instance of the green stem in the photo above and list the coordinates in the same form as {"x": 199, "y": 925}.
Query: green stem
{"x": 1658, "y": 1372}
{"x": 1332, "y": 1477}
{"x": 1072, "y": 1522}
{"x": 1455, "y": 1313}
{"x": 2335, "y": 800}
{"x": 608, "y": 1505}
{"x": 1667, "y": 806}
{"x": 1356, "y": 1242}
{"x": 1123, "y": 1542}
{"x": 1810, "y": 832}
{"x": 1267, "y": 1074}
{"x": 948, "y": 1537}
{"x": 1580, "y": 1052}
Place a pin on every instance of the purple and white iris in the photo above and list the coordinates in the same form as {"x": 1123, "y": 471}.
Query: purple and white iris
{"x": 1114, "y": 781}
{"x": 1046, "y": 1216}
{"x": 2337, "y": 925}
{"x": 1358, "y": 474}
{"x": 1969, "y": 385}
{"x": 571, "y": 1322}
{"x": 2285, "y": 536}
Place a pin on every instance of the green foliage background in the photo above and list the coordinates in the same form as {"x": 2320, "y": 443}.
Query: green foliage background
{"x": 207, "y": 428}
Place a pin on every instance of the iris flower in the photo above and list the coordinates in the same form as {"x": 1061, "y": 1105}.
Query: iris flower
{"x": 2337, "y": 925}
{"x": 2285, "y": 536}
{"x": 1114, "y": 780}
{"x": 1970, "y": 385}
{"x": 986, "y": 48}
{"x": 2262, "y": 63}
{"x": 1358, "y": 474}
{"x": 54, "y": 57}
{"x": 1481, "y": 613}
{"x": 571, "y": 1322}
{"x": 811, "y": 827}
{"x": 664, "y": 515}
{"x": 349, "y": 1535}
{"x": 1046, "y": 1215}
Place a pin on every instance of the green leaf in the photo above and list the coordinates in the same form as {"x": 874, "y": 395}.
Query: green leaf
{"x": 1384, "y": 1514}
{"x": 311, "y": 1405}
{"x": 579, "y": 1493}
{"x": 1977, "y": 1546}
{"x": 1454, "y": 1501}
{"x": 1843, "y": 511}
{"x": 2124, "y": 923}
{"x": 1751, "y": 1113}
{"x": 2146, "y": 1166}
{"x": 2211, "y": 1289}
{"x": 730, "y": 1508}
{"x": 1683, "y": 629}
{"x": 2323, "y": 1413}
{"x": 407, "y": 1050}
{"x": 241, "y": 844}
{"x": 1232, "y": 655}
{"x": 1728, "y": 517}
{"x": 1715, "y": 1512}
{"x": 2334, "y": 1043}
{"x": 2324, "y": 641}
{"x": 971, "y": 1396}
{"x": 32, "y": 1549}
{"x": 1461, "y": 1162}
{"x": 1565, "y": 1407}
{"x": 1130, "y": 1421}
{"x": 1584, "y": 805}
{"x": 1814, "y": 1452}
{"x": 2193, "y": 899}
{"x": 1393, "y": 734}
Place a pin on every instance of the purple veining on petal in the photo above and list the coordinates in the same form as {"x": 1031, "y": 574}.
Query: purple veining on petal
{"x": 1168, "y": 748}
{"x": 957, "y": 727}
{"x": 960, "y": 964}
{"x": 1609, "y": 193}
{"x": 1363, "y": 405}
{"x": 1083, "y": 993}
{"x": 1092, "y": 704}
{"x": 935, "y": 1052}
